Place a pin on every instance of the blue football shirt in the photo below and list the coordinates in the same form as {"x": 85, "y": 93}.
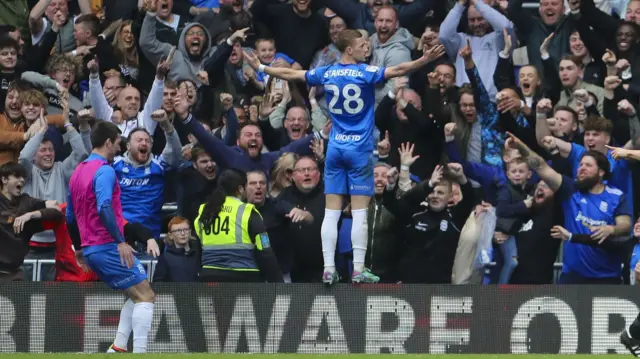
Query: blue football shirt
{"x": 620, "y": 169}
{"x": 582, "y": 210}
{"x": 350, "y": 94}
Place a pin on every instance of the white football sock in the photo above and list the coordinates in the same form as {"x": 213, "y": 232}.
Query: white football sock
{"x": 329, "y": 234}
{"x": 359, "y": 231}
{"x": 124, "y": 325}
{"x": 142, "y": 317}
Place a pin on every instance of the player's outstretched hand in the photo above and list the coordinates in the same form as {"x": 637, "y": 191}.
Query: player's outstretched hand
{"x": 126, "y": 254}
{"x": 152, "y": 248}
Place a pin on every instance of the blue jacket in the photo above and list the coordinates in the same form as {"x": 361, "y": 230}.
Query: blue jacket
{"x": 236, "y": 158}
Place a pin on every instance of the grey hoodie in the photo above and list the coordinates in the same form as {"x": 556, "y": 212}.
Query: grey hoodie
{"x": 393, "y": 52}
{"x": 183, "y": 66}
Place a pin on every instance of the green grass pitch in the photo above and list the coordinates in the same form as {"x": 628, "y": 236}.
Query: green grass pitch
{"x": 309, "y": 356}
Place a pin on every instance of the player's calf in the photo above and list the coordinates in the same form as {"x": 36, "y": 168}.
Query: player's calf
{"x": 142, "y": 316}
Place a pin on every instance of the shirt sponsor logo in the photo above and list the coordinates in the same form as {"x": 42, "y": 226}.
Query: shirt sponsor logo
{"x": 588, "y": 222}
{"x": 134, "y": 181}
{"x": 347, "y": 138}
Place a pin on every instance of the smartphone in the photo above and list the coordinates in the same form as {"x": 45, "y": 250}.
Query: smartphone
{"x": 278, "y": 84}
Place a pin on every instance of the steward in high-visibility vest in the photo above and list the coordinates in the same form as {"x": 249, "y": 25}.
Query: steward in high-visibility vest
{"x": 235, "y": 244}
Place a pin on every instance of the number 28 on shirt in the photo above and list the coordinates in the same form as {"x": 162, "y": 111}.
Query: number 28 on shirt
{"x": 350, "y": 91}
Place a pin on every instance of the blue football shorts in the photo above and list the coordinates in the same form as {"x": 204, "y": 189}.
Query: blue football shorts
{"x": 106, "y": 264}
{"x": 348, "y": 172}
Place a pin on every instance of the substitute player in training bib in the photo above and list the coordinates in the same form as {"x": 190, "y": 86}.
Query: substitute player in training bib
{"x": 96, "y": 228}
{"x": 350, "y": 89}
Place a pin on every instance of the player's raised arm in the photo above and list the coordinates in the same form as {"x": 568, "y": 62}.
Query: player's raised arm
{"x": 406, "y": 67}
{"x": 279, "y": 72}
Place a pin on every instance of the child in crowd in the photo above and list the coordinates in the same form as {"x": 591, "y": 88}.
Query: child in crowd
{"x": 514, "y": 201}
{"x": 268, "y": 56}
{"x": 181, "y": 260}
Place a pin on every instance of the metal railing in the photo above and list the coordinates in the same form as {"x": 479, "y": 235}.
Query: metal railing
{"x": 150, "y": 266}
{"x": 37, "y": 270}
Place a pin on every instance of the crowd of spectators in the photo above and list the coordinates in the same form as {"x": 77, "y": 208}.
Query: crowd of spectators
{"x": 499, "y": 151}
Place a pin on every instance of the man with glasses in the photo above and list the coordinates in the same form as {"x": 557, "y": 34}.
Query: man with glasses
{"x": 307, "y": 194}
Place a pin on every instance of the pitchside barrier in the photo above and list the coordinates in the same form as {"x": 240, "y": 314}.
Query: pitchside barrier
{"x": 309, "y": 318}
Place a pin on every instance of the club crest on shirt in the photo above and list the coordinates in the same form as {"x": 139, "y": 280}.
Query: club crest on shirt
{"x": 604, "y": 206}
{"x": 444, "y": 225}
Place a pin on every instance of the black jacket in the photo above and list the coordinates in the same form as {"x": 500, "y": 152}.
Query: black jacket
{"x": 305, "y": 238}
{"x": 537, "y": 250}
{"x": 16, "y": 246}
{"x": 273, "y": 213}
{"x": 429, "y": 239}
{"x": 178, "y": 265}
{"x": 193, "y": 191}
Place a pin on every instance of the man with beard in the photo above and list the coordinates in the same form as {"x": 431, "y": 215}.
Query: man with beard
{"x": 482, "y": 19}
{"x": 194, "y": 51}
{"x": 277, "y": 215}
{"x": 590, "y": 207}
{"x": 21, "y": 216}
{"x": 168, "y": 27}
{"x": 537, "y": 250}
{"x": 128, "y": 100}
{"x": 247, "y": 155}
{"x": 196, "y": 183}
{"x": 219, "y": 22}
{"x": 597, "y": 135}
{"x": 142, "y": 175}
{"x": 533, "y": 30}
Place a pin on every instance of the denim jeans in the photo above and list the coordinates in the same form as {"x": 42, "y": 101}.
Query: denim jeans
{"x": 510, "y": 258}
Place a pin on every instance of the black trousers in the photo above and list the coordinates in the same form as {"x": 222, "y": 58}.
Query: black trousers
{"x": 573, "y": 278}
{"x": 229, "y": 276}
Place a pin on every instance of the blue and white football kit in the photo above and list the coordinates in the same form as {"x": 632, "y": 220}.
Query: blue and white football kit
{"x": 583, "y": 210}
{"x": 350, "y": 93}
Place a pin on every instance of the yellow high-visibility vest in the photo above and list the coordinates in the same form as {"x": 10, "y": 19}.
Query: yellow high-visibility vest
{"x": 227, "y": 244}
